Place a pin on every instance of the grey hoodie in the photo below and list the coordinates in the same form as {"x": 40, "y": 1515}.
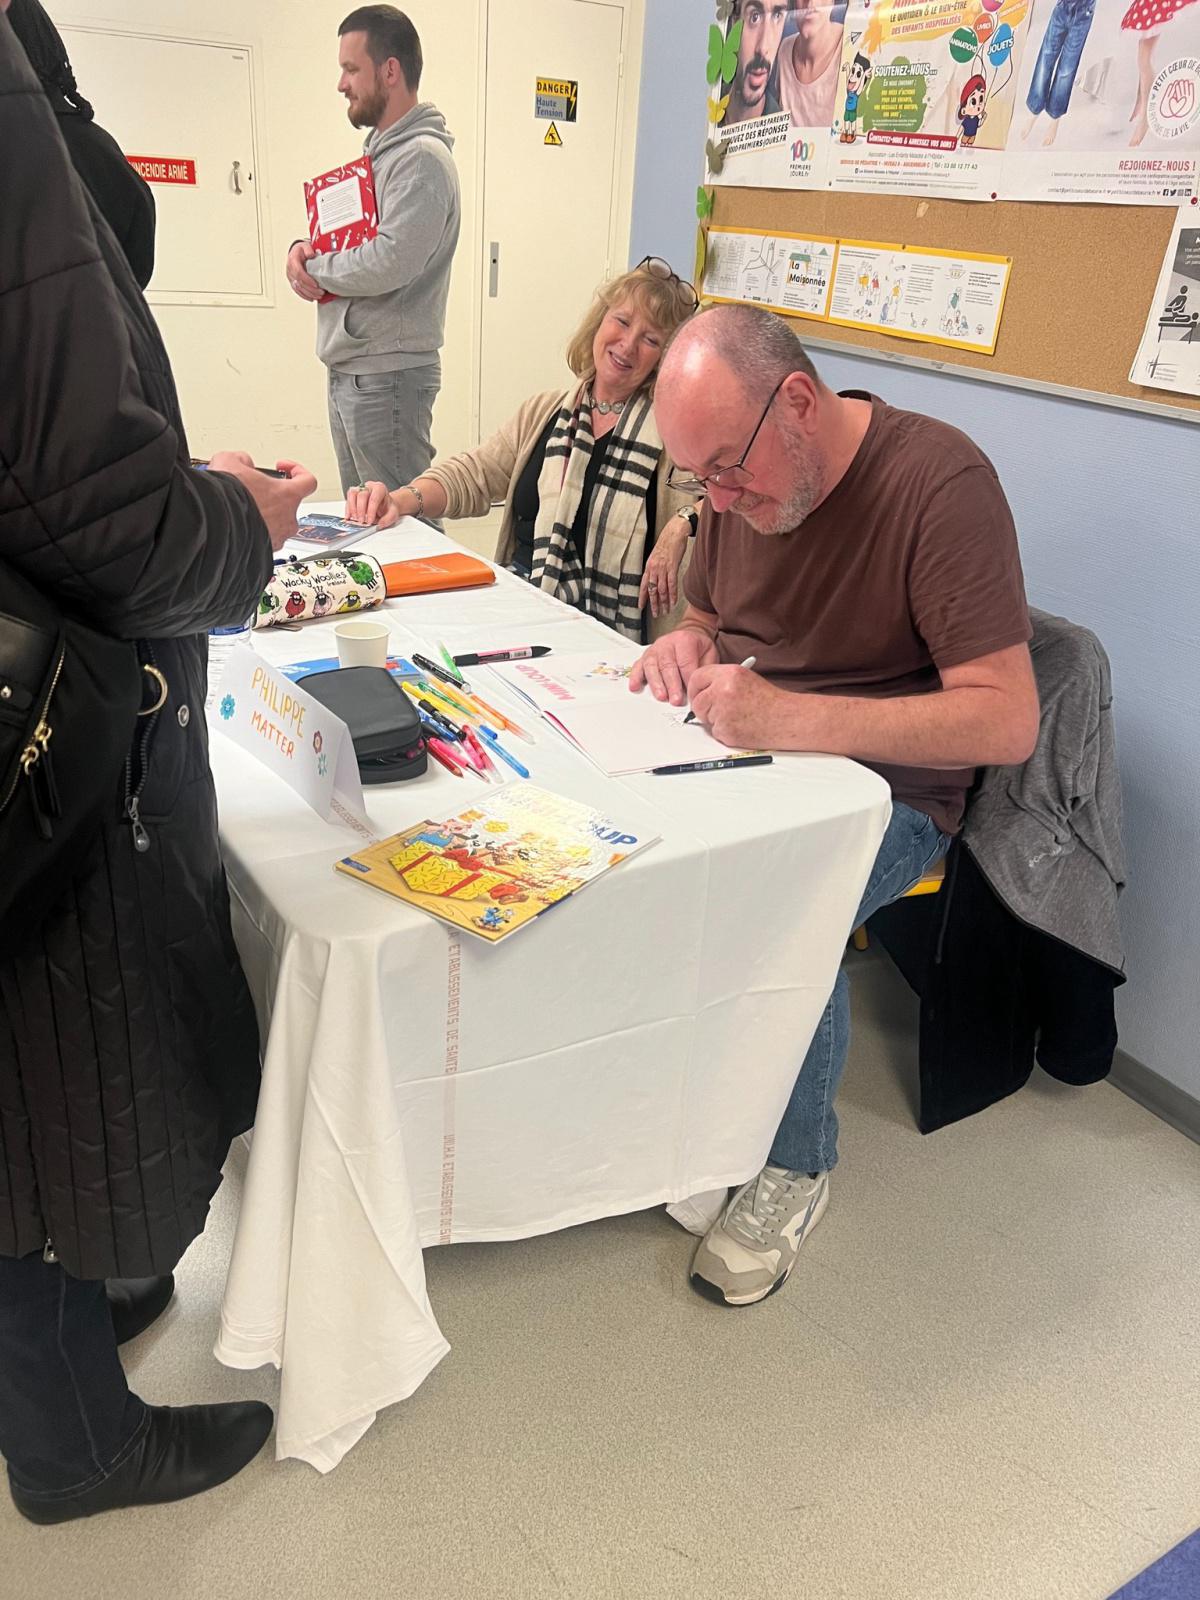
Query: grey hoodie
{"x": 391, "y": 307}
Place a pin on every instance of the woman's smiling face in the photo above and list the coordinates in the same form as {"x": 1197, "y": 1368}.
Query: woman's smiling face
{"x": 627, "y": 348}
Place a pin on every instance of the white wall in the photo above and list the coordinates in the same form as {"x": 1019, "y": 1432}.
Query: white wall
{"x": 671, "y": 127}
{"x": 248, "y": 377}
{"x": 1106, "y": 507}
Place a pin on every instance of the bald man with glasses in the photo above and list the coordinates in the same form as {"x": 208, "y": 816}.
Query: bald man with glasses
{"x": 866, "y": 558}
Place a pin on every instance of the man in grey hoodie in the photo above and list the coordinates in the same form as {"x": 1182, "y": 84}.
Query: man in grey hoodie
{"x": 381, "y": 337}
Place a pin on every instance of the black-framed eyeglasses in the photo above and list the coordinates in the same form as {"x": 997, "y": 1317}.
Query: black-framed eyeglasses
{"x": 733, "y": 477}
{"x": 658, "y": 268}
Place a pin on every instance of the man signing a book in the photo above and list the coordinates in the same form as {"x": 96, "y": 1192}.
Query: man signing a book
{"x": 382, "y": 334}
{"x": 866, "y": 558}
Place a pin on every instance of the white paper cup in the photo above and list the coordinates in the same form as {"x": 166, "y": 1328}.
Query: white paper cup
{"x": 362, "y": 644}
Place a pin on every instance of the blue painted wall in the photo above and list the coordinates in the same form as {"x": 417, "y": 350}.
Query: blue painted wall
{"x": 1107, "y": 503}
{"x": 671, "y": 125}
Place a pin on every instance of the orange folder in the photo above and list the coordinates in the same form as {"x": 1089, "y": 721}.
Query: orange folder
{"x": 431, "y": 573}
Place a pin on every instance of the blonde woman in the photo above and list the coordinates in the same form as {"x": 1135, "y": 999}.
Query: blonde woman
{"x": 588, "y": 512}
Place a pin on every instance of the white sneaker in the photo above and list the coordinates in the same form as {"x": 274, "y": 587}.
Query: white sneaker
{"x": 750, "y": 1251}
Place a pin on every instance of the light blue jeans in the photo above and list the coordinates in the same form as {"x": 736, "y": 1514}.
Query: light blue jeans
{"x": 381, "y": 424}
{"x": 807, "y": 1137}
{"x": 1058, "y": 59}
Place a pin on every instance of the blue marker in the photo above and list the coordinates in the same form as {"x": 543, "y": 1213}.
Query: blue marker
{"x": 435, "y": 730}
{"x": 494, "y": 744}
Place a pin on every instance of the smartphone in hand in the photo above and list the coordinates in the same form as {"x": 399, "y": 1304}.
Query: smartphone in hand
{"x": 267, "y": 472}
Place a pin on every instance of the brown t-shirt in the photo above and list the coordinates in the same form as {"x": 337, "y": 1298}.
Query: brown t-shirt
{"x": 910, "y": 565}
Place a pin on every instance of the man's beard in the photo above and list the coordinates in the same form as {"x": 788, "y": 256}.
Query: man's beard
{"x": 367, "y": 112}
{"x": 759, "y": 64}
{"x": 807, "y": 492}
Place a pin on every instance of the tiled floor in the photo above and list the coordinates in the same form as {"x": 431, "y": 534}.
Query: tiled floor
{"x": 982, "y": 1383}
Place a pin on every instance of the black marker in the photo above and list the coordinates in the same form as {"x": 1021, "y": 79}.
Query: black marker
{"x": 489, "y": 658}
{"x": 438, "y": 672}
{"x": 718, "y": 765}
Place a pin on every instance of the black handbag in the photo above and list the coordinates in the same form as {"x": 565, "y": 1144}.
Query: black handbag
{"x": 69, "y": 699}
{"x": 383, "y": 722}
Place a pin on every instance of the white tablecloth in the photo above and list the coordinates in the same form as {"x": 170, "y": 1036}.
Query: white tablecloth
{"x": 418, "y": 1088}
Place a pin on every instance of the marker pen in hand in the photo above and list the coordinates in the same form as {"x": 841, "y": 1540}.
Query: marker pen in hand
{"x": 748, "y": 663}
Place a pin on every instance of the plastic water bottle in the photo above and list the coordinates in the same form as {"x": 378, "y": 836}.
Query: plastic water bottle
{"x": 222, "y": 642}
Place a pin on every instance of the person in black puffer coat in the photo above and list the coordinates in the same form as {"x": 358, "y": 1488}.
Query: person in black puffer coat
{"x": 128, "y": 1044}
{"x": 123, "y": 197}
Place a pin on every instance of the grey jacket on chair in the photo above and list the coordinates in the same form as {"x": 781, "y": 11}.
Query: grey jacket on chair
{"x": 1047, "y": 835}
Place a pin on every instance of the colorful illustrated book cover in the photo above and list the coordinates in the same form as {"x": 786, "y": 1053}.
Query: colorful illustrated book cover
{"x": 498, "y": 865}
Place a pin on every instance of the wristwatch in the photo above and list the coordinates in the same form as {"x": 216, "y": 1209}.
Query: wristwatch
{"x": 692, "y": 517}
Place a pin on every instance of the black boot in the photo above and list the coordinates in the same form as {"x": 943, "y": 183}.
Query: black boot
{"x": 137, "y": 1302}
{"x": 184, "y": 1450}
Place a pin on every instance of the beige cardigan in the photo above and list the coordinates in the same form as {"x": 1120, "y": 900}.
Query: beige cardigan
{"x": 475, "y": 480}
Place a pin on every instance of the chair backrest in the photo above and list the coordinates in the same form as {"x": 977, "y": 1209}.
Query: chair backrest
{"x": 1047, "y": 834}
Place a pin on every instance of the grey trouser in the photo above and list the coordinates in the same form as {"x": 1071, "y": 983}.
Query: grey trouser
{"x": 381, "y": 424}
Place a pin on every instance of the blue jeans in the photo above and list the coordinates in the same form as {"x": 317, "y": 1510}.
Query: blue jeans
{"x": 1058, "y": 59}
{"x": 382, "y": 423}
{"x": 67, "y": 1417}
{"x": 807, "y": 1136}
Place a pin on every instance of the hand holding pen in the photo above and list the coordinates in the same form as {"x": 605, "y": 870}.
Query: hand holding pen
{"x": 747, "y": 665}
{"x": 742, "y": 710}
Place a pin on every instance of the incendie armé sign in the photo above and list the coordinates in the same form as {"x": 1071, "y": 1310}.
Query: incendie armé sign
{"x": 164, "y": 169}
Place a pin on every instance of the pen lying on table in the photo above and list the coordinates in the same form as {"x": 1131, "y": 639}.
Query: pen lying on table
{"x": 491, "y": 658}
{"x": 718, "y": 764}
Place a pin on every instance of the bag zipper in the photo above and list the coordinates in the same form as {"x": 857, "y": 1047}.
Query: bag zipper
{"x": 133, "y": 793}
{"x": 38, "y": 747}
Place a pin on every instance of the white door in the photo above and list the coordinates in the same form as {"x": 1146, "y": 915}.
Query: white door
{"x": 191, "y": 123}
{"x": 547, "y": 205}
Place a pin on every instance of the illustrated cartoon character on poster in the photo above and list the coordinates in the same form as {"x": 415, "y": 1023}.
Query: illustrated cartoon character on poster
{"x": 856, "y": 82}
{"x": 971, "y": 103}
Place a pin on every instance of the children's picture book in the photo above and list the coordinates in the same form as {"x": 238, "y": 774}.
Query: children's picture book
{"x": 331, "y": 533}
{"x": 498, "y": 865}
{"x": 588, "y": 699}
{"x": 400, "y": 667}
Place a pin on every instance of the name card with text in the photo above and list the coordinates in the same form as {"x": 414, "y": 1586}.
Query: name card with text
{"x": 292, "y": 734}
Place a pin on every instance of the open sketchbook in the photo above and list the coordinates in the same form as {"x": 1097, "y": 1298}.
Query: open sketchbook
{"x": 587, "y": 698}
{"x": 498, "y": 865}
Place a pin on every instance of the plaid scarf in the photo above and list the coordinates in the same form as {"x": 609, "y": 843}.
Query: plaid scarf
{"x": 605, "y": 583}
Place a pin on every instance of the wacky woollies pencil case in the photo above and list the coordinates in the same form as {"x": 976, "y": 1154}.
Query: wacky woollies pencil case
{"x": 321, "y": 586}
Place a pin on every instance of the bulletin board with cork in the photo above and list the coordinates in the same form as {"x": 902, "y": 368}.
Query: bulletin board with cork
{"x": 1083, "y": 278}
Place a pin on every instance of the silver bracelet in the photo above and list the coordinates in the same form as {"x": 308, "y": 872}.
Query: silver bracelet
{"x": 418, "y": 496}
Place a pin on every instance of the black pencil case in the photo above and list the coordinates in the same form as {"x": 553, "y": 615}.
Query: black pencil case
{"x": 383, "y": 722}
